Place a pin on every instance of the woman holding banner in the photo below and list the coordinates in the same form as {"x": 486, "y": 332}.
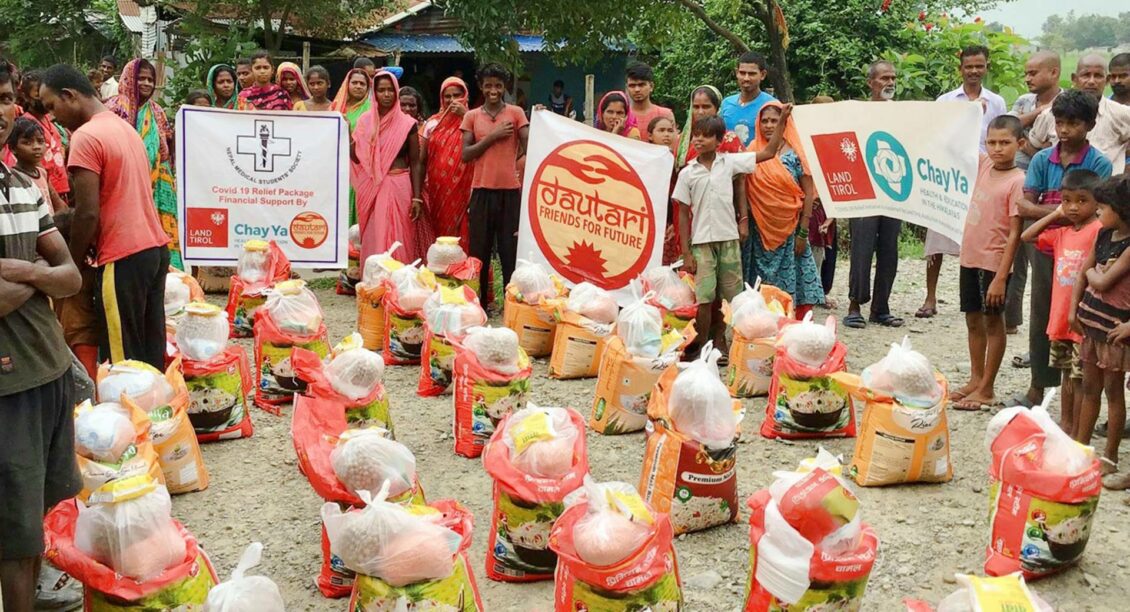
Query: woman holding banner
{"x": 353, "y": 101}
{"x": 134, "y": 103}
{"x": 388, "y": 173}
{"x": 781, "y": 193}
{"x": 448, "y": 184}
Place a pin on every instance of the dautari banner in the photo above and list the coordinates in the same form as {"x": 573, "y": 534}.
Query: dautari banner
{"x": 594, "y": 205}
{"x": 915, "y": 161}
{"x": 263, "y": 176}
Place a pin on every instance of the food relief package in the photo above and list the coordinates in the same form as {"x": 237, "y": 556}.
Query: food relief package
{"x": 754, "y": 316}
{"x": 536, "y": 457}
{"x": 614, "y": 552}
{"x": 448, "y": 314}
{"x": 491, "y": 379}
{"x": 690, "y": 464}
{"x": 350, "y": 381}
{"x": 451, "y": 265}
{"x": 114, "y": 452}
{"x": 805, "y": 400}
{"x": 291, "y": 318}
{"x": 809, "y": 549}
{"x": 1001, "y": 594}
{"x": 349, "y": 277}
{"x": 261, "y": 265}
{"x": 180, "y": 290}
{"x": 584, "y": 324}
{"x": 673, "y": 293}
{"x": 164, "y": 397}
{"x": 370, "y": 297}
{"x": 408, "y": 289}
{"x": 525, "y": 311}
{"x": 218, "y": 375}
{"x": 243, "y": 593}
{"x": 1044, "y": 494}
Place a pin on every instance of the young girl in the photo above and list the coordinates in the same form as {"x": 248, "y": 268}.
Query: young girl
{"x": 262, "y": 94}
{"x": 290, "y": 79}
{"x": 28, "y": 144}
{"x": 1100, "y": 311}
{"x": 318, "y": 82}
{"x": 663, "y": 132}
{"x": 198, "y": 97}
{"x": 613, "y": 115}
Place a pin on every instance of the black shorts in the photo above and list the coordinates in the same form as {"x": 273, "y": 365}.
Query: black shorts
{"x": 37, "y": 462}
{"x": 973, "y": 284}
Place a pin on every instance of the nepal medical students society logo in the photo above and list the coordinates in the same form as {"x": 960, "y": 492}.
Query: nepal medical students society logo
{"x": 852, "y": 171}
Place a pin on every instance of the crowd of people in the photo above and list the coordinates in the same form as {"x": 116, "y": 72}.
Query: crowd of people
{"x": 88, "y": 225}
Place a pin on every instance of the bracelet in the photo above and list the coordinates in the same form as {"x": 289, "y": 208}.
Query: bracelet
{"x": 420, "y": 200}
{"x": 802, "y": 234}
{"x": 740, "y": 219}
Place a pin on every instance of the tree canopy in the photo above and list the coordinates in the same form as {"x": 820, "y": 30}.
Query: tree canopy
{"x": 1075, "y": 32}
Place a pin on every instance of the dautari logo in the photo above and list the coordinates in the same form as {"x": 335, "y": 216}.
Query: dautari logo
{"x": 889, "y": 165}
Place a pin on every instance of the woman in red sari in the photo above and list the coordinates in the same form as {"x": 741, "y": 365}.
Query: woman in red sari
{"x": 448, "y": 178}
{"x": 388, "y": 173}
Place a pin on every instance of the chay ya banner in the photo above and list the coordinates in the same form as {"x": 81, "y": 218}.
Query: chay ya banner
{"x": 594, "y": 205}
{"x": 263, "y": 176}
{"x": 915, "y": 161}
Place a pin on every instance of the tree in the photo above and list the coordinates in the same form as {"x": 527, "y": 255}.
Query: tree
{"x": 26, "y": 25}
{"x": 325, "y": 18}
{"x": 1074, "y": 32}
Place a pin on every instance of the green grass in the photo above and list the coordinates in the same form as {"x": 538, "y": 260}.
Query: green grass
{"x": 911, "y": 242}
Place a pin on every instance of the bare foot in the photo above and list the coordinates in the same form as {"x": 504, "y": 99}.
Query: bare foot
{"x": 974, "y": 401}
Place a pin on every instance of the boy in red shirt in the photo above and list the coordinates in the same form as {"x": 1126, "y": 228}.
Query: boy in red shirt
{"x": 1070, "y": 245}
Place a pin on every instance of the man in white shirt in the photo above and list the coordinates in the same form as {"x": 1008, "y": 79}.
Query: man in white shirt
{"x": 109, "y": 89}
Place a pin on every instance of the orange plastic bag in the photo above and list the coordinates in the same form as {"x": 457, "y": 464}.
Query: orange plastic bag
{"x": 624, "y": 385}
{"x": 100, "y": 479}
{"x": 217, "y": 393}
{"x": 578, "y": 345}
{"x": 535, "y": 325}
{"x": 807, "y": 402}
{"x": 696, "y": 486}
{"x": 276, "y": 381}
{"x": 370, "y": 411}
{"x": 525, "y": 508}
{"x": 245, "y": 299}
{"x": 750, "y": 372}
{"x": 464, "y": 274}
{"x": 482, "y": 397}
{"x": 371, "y": 315}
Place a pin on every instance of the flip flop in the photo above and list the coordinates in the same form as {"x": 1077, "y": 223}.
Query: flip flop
{"x": 1020, "y": 399}
{"x": 855, "y": 321}
{"x": 888, "y": 320}
{"x": 1100, "y": 430}
{"x": 1011, "y": 331}
{"x": 926, "y": 313}
{"x": 966, "y": 405}
{"x": 1022, "y": 361}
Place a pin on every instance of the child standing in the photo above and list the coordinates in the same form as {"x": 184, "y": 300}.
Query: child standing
{"x": 704, "y": 192}
{"x": 989, "y": 244}
{"x": 1100, "y": 309}
{"x": 663, "y": 133}
{"x": 1071, "y": 245}
{"x": 28, "y": 144}
{"x": 263, "y": 94}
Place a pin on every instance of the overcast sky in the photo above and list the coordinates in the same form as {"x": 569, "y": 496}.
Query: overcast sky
{"x": 1028, "y": 16}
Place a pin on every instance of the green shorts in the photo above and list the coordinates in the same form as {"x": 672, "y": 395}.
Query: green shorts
{"x": 1065, "y": 357}
{"x": 719, "y": 271}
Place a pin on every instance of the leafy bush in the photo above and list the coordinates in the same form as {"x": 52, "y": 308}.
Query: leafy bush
{"x": 204, "y": 50}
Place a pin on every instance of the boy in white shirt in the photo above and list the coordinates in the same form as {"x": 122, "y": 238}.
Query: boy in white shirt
{"x": 705, "y": 191}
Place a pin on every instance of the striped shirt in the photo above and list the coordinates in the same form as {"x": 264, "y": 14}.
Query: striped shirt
{"x": 1101, "y": 312}
{"x": 32, "y": 351}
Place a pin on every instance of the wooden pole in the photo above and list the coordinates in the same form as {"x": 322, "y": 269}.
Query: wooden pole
{"x": 590, "y": 93}
{"x": 305, "y": 56}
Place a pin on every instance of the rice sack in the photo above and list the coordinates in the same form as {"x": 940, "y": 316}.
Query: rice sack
{"x": 183, "y": 585}
{"x": 986, "y": 594}
{"x": 409, "y": 288}
{"x": 370, "y": 297}
{"x": 218, "y": 375}
{"x": 261, "y": 265}
{"x": 673, "y": 293}
{"x": 536, "y": 457}
{"x": 805, "y": 401}
{"x": 115, "y": 455}
{"x": 754, "y": 317}
{"x": 584, "y": 324}
{"x": 451, "y": 265}
{"x": 350, "y": 380}
{"x": 490, "y": 379}
{"x": 348, "y": 278}
{"x": 242, "y": 593}
{"x": 291, "y": 318}
{"x": 1044, "y": 494}
{"x": 448, "y": 314}
{"x": 809, "y": 549}
{"x": 525, "y": 311}
{"x": 905, "y": 433}
{"x": 614, "y": 552}
{"x": 180, "y": 290}
{"x": 165, "y": 398}
{"x": 690, "y": 464}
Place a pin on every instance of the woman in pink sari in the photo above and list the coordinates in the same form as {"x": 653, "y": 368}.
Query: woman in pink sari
{"x": 388, "y": 173}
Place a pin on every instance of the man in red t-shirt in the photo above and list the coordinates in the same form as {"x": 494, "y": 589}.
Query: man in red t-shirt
{"x": 115, "y": 219}
{"x": 494, "y": 139}
{"x": 640, "y": 81}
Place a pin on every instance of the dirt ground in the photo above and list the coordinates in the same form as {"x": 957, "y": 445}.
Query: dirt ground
{"x": 926, "y": 532}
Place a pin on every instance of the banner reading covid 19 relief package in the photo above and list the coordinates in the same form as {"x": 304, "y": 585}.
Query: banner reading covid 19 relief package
{"x": 594, "y": 205}
{"x": 915, "y": 161}
{"x": 263, "y": 176}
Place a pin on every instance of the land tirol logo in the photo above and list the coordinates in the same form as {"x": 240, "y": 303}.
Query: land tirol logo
{"x": 207, "y": 227}
{"x": 852, "y": 172}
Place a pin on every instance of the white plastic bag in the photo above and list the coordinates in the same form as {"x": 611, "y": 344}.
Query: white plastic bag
{"x": 135, "y": 537}
{"x": 616, "y": 523}
{"x": 444, "y": 253}
{"x": 1062, "y": 454}
{"x": 365, "y": 459}
{"x": 450, "y": 314}
{"x": 640, "y": 326}
{"x": 532, "y": 281}
{"x": 244, "y": 593}
{"x": 254, "y": 262}
{"x": 203, "y": 332}
{"x": 103, "y": 432}
{"x": 809, "y": 343}
{"x": 670, "y": 290}
{"x": 355, "y": 236}
{"x": 139, "y": 381}
{"x": 700, "y": 404}
{"x": 354, "y": 371}
{"x": 593, "y": 303}
{"x": 966, "y": 598}
{"x": 752, "y": 317}
{"x": 541, "y": 441}
{"x": 411, "y": 290}
{"x": 294, "y": 308}
{"x": 177, "y": 293}
{"x": 496, "y": 348}
{"x": 906, "y": 375}
{"x": 380, "y": 266}
{"x": 385, "y": 541}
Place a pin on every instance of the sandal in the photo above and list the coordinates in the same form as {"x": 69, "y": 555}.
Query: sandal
{"x": 1011, "y": 331}
{"x": 1020, "y": 399}
{"x": 1117, "y": 482}
{"x": 926, "y": 312}
{"x": 855, "y": 320}
{"x": 966, "y": 405}
{"x": 1022, "y": 361}
{"x": 887, "y": 320}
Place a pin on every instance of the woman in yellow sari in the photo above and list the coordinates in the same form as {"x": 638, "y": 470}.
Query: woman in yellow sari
{"x": 353, "y": 101}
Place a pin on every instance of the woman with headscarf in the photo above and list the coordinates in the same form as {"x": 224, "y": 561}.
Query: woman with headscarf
{"x": 614, "y": 115}
{"x": 290, "y": 79}
{"x": 781, "y": 193}
{"x": 706, "y": 101}
{"x": 223, "y": 87}
{"x": 388, "y": 173}
{"x": 134, "y": 103}
{"x": 353, "y": 101}
{"x": 448, "y": 184}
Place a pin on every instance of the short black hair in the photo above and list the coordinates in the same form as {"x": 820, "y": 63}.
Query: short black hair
{"x": 220, "y": 70}
{"x": 6, "y": 77}
{"x": 710, "y": 126}
{"x": 1122, "y": 60}
{"x": 973, "y": 51}
{"x": 23, "y": 127}
{"x": 640, "y": 71}
{"x": 364, "y": 62}
{"x": 709, "y": 94}
{"x": 62, "y": 76}
{"x": 654, "y": 123}
{"x": 408, "y": 90}
{"x": 493, "y": 70}
{"x": 1073, "y": 104}
{"x": 195, "y": 95}
{"x": 243, "y": 61}
{"x": 110, "y": 59}
{"x": 1081, "y": 179}
{"x": 320, "y": 71}
{"x": 1115, "y": 193}
{"x": 559, "y": 83}
{"x": 261, "y": 54}
{"x": 1008, "y": 122}
{"x": 753, "y": 57}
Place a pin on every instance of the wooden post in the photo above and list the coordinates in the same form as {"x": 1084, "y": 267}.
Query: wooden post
{"x": 305, "y": 56}
{"x": 590, "y": 93}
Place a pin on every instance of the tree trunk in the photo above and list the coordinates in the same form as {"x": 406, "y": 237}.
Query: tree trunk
{"x": 700, "y": 12}
{"x": 782, "y": 83}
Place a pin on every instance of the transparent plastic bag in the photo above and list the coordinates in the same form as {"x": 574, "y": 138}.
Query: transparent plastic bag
{"x": 992, "y": 595}
{"x": 411, "y": 291}
{"x": 541, "y": 441}
{"x": 617, "y": 522}
{"x": 386, "y": 541}
{"x": 807, "y": 342}
{"x": 354, "y": 371}
{"x": 366, "y": 459}
{"x": 254, "y": 262}
{"x": 496, "y": 348}
{"x": 242, "y": 593}
{"x": 593, "y": 303}
{"x": 379, "y": 267}
{"x": 906, "y": 375}
{"x": 139, "y": 381}
{"x": 670, "y": 290}
{"x": 532, "y": 281}
{"x": 177, "y": 293}
{"x": 203, "y": 332}
{"x": 700, "y": 404}
{"x": 640, "y": 326}
{"x": 450, "y": 314}
{"x": 752, "y": 317}
{"x": 294, "y": 308}
{"x": 444, "y": 253}
{"x": 103, "y": 432}
{"x": 355, "y": 236}
{"x": 136, "y": 537}
{"x": 1061, "y": 454}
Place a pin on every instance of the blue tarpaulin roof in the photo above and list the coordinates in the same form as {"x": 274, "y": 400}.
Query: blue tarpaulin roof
{"x": 438, "y": 43}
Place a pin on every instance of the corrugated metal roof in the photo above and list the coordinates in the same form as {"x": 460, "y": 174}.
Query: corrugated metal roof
{"x": 439, "y": 43}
